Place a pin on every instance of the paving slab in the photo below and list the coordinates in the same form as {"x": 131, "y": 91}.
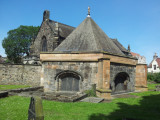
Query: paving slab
{"x": 92, "y": 100}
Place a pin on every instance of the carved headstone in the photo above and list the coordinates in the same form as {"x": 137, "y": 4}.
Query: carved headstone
{"x": 35, "y": 111}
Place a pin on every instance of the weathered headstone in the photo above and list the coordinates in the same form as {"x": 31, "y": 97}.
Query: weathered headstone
{"x": 35, "y": 111}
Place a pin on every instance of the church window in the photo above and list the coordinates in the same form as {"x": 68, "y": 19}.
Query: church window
{"x": 154, "y": 67}
{"x": 44, "y": 44}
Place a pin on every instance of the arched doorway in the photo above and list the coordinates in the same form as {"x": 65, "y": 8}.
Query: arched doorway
{"x": 68, "y": 81}
{"x": 120, "y": 83}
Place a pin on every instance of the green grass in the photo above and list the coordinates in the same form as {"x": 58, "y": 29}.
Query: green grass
{"x": 152, "y": 86}
{"x": 8, "y": 87}
{"x": 145, "y": 107}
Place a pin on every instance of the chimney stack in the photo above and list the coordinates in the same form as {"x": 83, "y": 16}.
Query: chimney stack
{"x": 155, "y": 56}
{"x": 46, "y": 15}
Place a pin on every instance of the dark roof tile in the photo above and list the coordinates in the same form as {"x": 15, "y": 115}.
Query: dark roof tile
{"x": 88, "y": 37}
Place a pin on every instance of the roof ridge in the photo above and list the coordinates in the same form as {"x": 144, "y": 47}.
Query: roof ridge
{"x": 93, "y": 33}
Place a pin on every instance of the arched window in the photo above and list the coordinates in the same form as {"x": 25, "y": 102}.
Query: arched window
{"x": 44, "y": 44}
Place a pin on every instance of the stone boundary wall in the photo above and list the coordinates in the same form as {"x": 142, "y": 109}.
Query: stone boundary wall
{"x": 11, "y": 74}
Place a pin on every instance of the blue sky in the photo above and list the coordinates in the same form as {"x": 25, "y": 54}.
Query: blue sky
{"x": 134, "y": 22}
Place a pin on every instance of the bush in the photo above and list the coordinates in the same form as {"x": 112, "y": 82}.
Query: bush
{"x": 90, "y": 93}
{"x": 153, "y": 77}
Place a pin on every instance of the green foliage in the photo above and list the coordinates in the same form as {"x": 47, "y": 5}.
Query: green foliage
{"x": 18, "y": 42}
{"x": 153, "y": 77}
{"x": 90, "y": 93}
{"x": 7, "y": 87}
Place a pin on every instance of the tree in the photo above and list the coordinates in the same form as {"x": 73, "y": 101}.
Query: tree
{"x": 18, "y": 41}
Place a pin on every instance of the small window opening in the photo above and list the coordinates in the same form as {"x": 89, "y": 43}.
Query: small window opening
{"x": 44, "y": 44}
{"x": 154, "y": 67}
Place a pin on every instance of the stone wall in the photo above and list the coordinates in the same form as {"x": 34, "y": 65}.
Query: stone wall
{"x": 20, "y": 74}
{"x": 116, "y": 68}
{"x": 141, "y": 77}
{"x": 87, "y": 70}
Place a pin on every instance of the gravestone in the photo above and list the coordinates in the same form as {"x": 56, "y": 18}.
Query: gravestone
{"x": 35, "y": 111}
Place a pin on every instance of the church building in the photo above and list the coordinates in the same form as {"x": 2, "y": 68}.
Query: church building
{"x": 73, "y": 59}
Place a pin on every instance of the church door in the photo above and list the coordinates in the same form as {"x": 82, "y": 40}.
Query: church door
{"x": 69, "y": 82}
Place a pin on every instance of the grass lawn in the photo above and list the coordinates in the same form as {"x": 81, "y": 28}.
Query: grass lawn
{"x": 7, "y": 87}
{"x": 152, "y": 86}
{"x": 144, "y": 107}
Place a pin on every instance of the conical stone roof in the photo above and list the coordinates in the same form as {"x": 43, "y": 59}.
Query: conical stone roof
{"x": 88, "y": 37}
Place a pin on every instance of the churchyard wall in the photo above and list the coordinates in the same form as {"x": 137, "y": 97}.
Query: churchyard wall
{"x": 11, "y": 74}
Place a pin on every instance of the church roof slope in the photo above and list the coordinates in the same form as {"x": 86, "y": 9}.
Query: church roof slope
{"x": 88, "y": 37}
{"x": 119, "y": 45}
{"x": 64, "y": 30}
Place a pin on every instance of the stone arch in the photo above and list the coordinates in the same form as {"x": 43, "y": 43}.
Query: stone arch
{"x": 44, "y": 44}
{"x": 120, "y": 83}
{"x": 68, "y": 81}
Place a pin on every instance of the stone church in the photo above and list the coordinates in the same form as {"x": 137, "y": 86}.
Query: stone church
{"x": 73, "y": 59}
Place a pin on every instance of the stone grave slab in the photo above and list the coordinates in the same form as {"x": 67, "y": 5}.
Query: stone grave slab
{"x": 92, "y": 100}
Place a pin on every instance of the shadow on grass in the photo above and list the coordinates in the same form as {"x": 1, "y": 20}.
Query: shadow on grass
{"x": 148, "y": 109}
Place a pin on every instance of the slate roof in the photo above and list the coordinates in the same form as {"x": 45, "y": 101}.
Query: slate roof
{"x": 64, "y": 30}
{"x": 119, "y": 45}
{"x": 88, "y": 37}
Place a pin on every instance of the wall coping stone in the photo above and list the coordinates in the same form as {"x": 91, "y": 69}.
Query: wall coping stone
{"x": 20, "y": 64}
{"x": 81, "y": 52}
